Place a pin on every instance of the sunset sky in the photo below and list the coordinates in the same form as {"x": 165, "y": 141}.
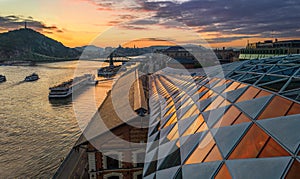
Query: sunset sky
{"x": 229, "y": 23}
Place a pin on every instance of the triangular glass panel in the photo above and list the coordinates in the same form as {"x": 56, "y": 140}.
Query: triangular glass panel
{"x": 171, "y": 119}
{"x": 150, "y": 169}
{"x": 261, "y": 69}
{"x": 258, "y": 168}
{"x": 153, "y": 129}
{"x": 273, "y": 110}
{"x": 249, "y": 76}
{"x": 166, "y": 130}
{"x": 181, "y": 111}
{"x": 236, "y": 76}
{"x": 233, "y": 86}
{"x": 173, "y": 134}
{"x": 188, "y": 143}
{"x": 245, "y": 68}
{"x": 184, "y": 124}
{"x": 254, "y": 107}
{"x": 201, "y": 170}
{"x": 272, "y": 149}
{"x": 232, "y": 96}
{"x": 151, "y": 155}
{"x": 288, "y": 71}
{"x": 250, "y": 80}
{"x": 205, "y": 103}
{"x": 193, "y": 110}
{"x": 277, "y": 68}
{"x": 293, "y": 84}
{"x": 223, "y": 173}
{"x": 241, "y": 119}
{"x": 194, "y": 127}
{"x": 214, "y": 104}
{"x": 169, "y": 161}
{"x": 211, "y": 84}
{"x": 227, "y": 137}
{"x": 269, "y": 78}
{"x": 199, "y": 95}
{"x": 249, "y": 94}
{"x": 251, "y": 144}
{"x": 221, "y": 88}
{"x": 167, "y": 173}
{"x": 295, "y": 109}
{"x": 178, "y": 174}
{"x": 151, "y": 166}
{"x": 211, "y": 117}
{"x": 167, "y": 148}
{"x": 152, "y": 145}
{"x": 285, "y": 130}
{"x": 202, "y": 150}
{"x": 274, "y": 86}
{"x": 232, "y": 116}
{"x": 295, "y": 95}
{"x": 298, "y": 74}
{"x": 152, "y": 176}
{"x": 213, "y": 155}
{"x": 293, "y": 172}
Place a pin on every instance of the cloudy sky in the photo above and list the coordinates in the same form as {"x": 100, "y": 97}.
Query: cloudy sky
{"x": 229, "y": 23}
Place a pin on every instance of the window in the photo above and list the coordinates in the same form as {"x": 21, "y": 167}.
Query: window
{"x": 113, "y": 177}
{"x": 140, "y": 157}
{"x": 111, "y": 161}
{"x": 138, "y": 175}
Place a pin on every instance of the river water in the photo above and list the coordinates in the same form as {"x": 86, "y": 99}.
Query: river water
{"x": 35, "y": 133}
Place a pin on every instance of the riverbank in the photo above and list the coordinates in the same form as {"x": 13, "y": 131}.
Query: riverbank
{"x": 31, "y": 63}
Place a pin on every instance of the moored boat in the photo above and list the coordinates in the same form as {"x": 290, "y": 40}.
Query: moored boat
{"x": 32, "y": 77}
{"x": 66, "y": 89}
{"x": 109, "y": 71}
{"x": 2, "y": 78}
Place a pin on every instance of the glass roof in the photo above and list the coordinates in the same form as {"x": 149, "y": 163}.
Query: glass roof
{"x": 244, "y": 125}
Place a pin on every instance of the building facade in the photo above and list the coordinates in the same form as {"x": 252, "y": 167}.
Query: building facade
{"x": 270, "y": 48}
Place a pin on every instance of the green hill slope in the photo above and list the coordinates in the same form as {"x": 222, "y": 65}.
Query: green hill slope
{"x": 27, "y": 44}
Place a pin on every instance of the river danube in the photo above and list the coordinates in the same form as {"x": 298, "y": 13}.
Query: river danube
{"x": 35, "y": 133}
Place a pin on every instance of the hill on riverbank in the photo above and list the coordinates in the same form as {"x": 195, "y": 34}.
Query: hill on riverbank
{"x": 28, "y": 45}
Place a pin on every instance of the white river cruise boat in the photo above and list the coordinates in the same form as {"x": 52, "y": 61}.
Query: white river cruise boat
{"x": 66, "y": 89}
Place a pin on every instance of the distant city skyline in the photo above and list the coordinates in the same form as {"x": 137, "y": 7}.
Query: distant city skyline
{"x": 113, "y": 22}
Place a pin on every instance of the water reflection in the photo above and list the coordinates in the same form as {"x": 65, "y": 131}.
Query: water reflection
{"x": 35, "y": 132}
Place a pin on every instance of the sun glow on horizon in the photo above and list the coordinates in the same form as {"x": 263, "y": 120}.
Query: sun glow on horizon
{"x": 82, "y": 22}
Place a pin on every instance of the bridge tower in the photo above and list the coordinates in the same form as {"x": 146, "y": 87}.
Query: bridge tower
{"x": 111, "y": 61}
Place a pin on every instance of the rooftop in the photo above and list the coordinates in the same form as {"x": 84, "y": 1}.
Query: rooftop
{"x": 217, "y": 124}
